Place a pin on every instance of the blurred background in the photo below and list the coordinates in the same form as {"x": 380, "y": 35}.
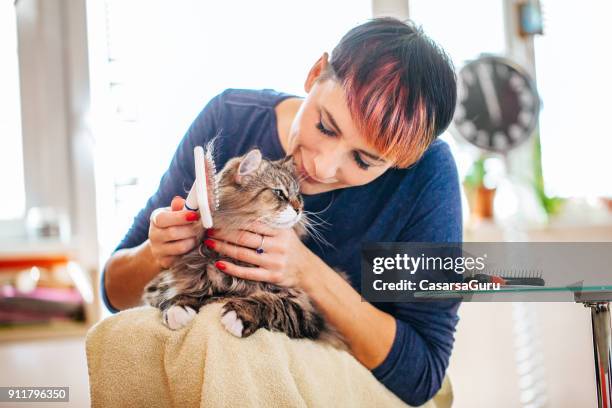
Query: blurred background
{"x": 96, "y": 95}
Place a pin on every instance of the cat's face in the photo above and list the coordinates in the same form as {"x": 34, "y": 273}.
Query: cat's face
{"x": 254, "y": 189}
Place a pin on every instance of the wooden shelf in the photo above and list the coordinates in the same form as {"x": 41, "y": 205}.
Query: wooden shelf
{"x": 45, "y": 253}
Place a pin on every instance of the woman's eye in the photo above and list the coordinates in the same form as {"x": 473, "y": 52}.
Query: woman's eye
{"x": 360, "y": 161}
{"x": 279, "y": 193}
{"x": 362, "y": 164}
{"x": 324, "y": 130}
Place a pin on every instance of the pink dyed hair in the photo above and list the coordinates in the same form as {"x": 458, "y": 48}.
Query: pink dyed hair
{"x": 400, "y": 87}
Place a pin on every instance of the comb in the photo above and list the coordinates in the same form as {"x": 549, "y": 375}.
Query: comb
{"x": 523, "y": 278}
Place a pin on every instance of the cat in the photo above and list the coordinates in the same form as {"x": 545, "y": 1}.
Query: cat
{"x": 249, "y": 188}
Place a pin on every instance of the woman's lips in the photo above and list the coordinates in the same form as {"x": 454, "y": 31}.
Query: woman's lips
{"x": 310, "y": 179}
{"x": 306, "y": 177}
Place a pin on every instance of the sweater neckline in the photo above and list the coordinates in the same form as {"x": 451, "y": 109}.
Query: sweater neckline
{"x": 278, "y": 146}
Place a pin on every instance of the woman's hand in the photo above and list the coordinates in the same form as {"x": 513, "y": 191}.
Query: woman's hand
{"x": 173, "y": 232}
{"x": 281, "y": 262}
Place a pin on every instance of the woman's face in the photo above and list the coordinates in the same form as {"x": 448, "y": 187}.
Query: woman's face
{"x": 328, "y": 150}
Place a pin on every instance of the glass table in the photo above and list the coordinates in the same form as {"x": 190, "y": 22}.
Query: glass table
{"x": 595, "y": 297}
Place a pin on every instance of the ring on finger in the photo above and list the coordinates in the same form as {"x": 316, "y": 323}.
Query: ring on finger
{"x": 260, "y": 250}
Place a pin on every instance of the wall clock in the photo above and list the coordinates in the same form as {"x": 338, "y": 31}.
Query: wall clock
{"x": 497, "y": 104}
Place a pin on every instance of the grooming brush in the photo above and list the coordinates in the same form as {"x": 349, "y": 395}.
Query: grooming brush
{"x": 203, "y": 196}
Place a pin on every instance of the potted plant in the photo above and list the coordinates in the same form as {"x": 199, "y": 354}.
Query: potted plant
{"x": 551, "y": 205}
{"x": 480, "y": 197}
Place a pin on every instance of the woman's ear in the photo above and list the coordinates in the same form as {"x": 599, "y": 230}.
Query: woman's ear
{"x": 315, "y": 72}
{"x": 249, "y": 163}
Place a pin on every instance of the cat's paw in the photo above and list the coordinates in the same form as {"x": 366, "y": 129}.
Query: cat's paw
{"x": 177, "y": 317}
{"x": 232, "y": 323}
{"x": 237, "y": 318}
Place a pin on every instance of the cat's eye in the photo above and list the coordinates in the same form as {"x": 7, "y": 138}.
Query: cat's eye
{"x": 280, "y": 194}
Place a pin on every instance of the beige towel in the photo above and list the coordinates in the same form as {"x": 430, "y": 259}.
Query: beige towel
{"x": 135, "y": 361}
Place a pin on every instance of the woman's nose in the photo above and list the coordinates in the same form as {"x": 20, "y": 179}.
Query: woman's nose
{"x": 326, "y": 165}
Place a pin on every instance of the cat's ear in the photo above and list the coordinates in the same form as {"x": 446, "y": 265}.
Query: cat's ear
{"x": 249, "y": 164}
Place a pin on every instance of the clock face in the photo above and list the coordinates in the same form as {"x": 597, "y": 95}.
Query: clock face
{"x": 497, "y": 104}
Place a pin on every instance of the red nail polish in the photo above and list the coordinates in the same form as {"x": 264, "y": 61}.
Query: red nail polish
{"x": 209, "y": 243}
{"x": 210, "y": 232}
{"x": 192, "y": 216}
{"x": 220, "y": 265}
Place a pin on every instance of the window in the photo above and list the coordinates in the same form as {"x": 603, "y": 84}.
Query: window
{"x": 464, "y": 28}
{"x": 162, "y": 61}
{"x": 12, "y": 205}
{"x": 573, "y": 73}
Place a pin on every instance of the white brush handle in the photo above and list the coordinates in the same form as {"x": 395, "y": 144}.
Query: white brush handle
{"x": 198, "y": 195}
{"x": 191, "y": 203}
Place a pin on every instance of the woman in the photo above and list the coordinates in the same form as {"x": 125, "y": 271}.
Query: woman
{"x": 364, "y": 140}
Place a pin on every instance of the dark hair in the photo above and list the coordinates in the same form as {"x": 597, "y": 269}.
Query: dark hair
{"x": 401, "y": 87}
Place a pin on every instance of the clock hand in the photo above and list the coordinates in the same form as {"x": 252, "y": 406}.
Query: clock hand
{"x": 488, "y": 89}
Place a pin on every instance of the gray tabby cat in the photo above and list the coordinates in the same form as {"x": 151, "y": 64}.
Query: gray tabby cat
{"x": 249, "y": 189}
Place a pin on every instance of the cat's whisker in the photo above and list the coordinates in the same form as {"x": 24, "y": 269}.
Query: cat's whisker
{"x": 315, "y": 212}
{"x": 319, "y": 239}
{"x": 314, "y": 233}
{"x": 319, "y": 220}
{"x": 315, "y": 224}
{"x": 312, "y": 226}
{"x": 323, "y": 225}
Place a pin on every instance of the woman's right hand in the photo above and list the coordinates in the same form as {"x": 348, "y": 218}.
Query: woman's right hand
{"x": 173, "y": 231}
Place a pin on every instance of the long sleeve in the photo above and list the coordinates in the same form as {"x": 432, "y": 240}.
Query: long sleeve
{"x": 416, "y": 364}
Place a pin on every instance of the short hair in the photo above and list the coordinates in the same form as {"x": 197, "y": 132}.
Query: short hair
{"x": 400, "y": 86}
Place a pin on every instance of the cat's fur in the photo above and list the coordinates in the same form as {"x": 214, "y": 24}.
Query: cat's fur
{"x": 246, "y": 194}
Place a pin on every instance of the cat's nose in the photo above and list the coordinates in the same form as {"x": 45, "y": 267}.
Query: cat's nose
{"x": 297, "y": 205}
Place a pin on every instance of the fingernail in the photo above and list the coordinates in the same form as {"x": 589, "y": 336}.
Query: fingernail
{"x": 192, "y": 216}
{"x": 220, "y": 265}
{"x": 210, "y": 232}
{"x": 209, "y": 243}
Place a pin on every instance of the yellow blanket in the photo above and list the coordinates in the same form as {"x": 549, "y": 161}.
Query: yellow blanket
{"x": 135, "y": 361}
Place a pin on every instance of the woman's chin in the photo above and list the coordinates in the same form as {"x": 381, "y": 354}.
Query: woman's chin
{"x": 310, "y": 188}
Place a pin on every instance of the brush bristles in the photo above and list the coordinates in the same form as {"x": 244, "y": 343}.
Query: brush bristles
{"x": 212, "y": 177}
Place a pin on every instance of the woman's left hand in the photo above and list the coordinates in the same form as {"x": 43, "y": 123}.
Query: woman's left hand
{"x": 280, "y": 263}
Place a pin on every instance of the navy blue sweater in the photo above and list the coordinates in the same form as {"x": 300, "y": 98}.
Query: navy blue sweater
{"x": 419, "y": 204}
